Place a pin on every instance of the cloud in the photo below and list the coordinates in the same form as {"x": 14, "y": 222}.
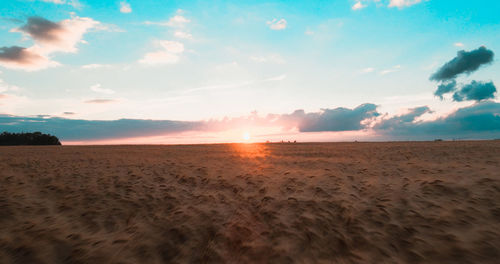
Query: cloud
{"x": 125, "y": 7}
{"x": 73, "y": 3}
{"x": 42, "y": 29}
{"x": 168, "y": 54}
{"x": 69, "y": 113}
{"x": 476, "y": 91}
{"x": 403, "y": 3}
{"x": 458, "y": 44}
{"x": 177, "y": 21}
{"x": 479, "y": 121}
{"x": 393, "y": 69}
{"x": 55, "y": 1}
{"x": 62, "y": 36}
{"x": 16, "y": 57}
{"x": 97, "y": 88}
{"x": 183, "y": 35}
{"x": 368, "y": 70}
{"x": 401, "y": 120}
{"x": 358, "y": 5}
{"x": 277, "y": 24}
{"x": 100, "y": 101}
{"x": 74, "y": 129}
{"x": 464, "y": 62}
{"x": 95, "y": 66}
{"x": 272, "y": 58}
{"x": 49, "y": 37}
{"x": 337, "y": 119}
{"x": 445, "y": 88}
{"x": 7, "y": 87}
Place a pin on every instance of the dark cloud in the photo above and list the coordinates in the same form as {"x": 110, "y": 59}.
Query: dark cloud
{"x": 445, "y": 88}
{"x": 337, "y": 119}
{"x": 100, "y": 101}
{"x": 69, "y": 113}
{"x": 479, "y": 121}
{"x": 464, "y": 62}
{"x": 73, "y": 129}
{"x": 401, "y": 120}
{"x": 42, "y": 29}
{"x": 19, "y": 55}
{"x": 476, "y": 91}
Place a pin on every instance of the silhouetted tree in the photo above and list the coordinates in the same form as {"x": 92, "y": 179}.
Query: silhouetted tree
{"x": 36, "y": 138}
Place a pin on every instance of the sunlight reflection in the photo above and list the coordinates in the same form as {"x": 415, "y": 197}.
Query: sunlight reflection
{"x": 251, "y": 150}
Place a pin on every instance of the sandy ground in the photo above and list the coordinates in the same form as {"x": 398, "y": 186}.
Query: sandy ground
{"x": 428, "y": 202}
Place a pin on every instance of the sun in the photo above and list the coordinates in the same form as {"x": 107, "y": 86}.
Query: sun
{"x": 246, "y": 136}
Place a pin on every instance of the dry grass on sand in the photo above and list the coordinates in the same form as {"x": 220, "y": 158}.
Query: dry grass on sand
{"x": 427, "y": 202}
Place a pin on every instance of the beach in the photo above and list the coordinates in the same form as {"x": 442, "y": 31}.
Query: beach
{"x": 383, "y": 202}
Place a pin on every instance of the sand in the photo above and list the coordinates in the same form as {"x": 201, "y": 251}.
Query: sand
{"x": 426, "y": 202}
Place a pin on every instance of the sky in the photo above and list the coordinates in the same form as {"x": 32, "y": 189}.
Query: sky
{"x": 161, "y": 72}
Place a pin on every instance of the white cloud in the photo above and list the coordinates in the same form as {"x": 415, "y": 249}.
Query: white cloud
{"x": 168, "y": 54}
{"x": 95, "y": 66}
{"x": 97, "y": 88}
{"x": 309, "y": 32}
{"x": 277, "y": 24}
{"x": 176, "y": 21}
{"x": 183, "y": 35}
{"x": 358, "y": 5}
{"x": 4, "y": 87}
{"x": 73, "y": 3}
{"x": 55, "y": 1}
{"x": 459, "y": 44}
{"x": 273, "y": 58}
{"x": 403, "y": 3}
{"x": 49, "y": 37}
{"x": 125, "y": 7}
{"x": 368, "y": 70}
{"x": 393, "y": 69}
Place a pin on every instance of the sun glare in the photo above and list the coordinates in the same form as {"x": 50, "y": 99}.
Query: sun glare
{"x": 246, "y": 136}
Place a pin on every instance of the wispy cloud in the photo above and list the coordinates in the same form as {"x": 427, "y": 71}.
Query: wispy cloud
{"x": 276, "y": 24}
{"x": 183, "y": 35}
{"x": 169, "y": 53}
{"x": 403, "y": 3}
{"x": 100, "y": 101}
{"x": 73, "y": 3}
{"x": 95, "y": 66}
{"x": 98, "y": 89}
{"x": 236, "y": 85}
{"x": 177, "y": 21}
{"x": 391, "y": 70}
{"x": 125, "y": 7}
{"x": 368, "y": 70}
{"x": 358, "y": 5}
{"x": 272, "y": 58}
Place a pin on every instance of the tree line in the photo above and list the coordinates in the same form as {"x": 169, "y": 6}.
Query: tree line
{"x": 35, "y": 138}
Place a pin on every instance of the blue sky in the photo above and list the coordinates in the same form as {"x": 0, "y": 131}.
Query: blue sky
{"x": 200, "y": 61}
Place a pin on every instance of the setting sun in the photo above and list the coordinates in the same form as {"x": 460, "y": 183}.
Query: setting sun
{"x": 246, "y": 136}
